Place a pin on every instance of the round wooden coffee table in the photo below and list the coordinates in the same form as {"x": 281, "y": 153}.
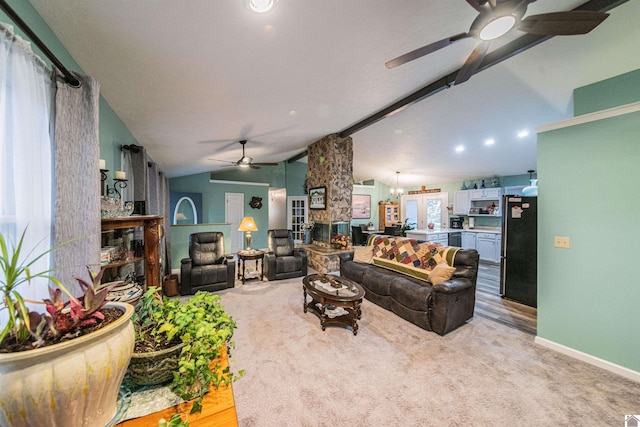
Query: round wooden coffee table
{"x": 336, "y": 299}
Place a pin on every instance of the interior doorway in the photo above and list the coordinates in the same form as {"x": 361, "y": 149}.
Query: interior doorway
{"x": 233, "y": 214}
{"x": 277, "y": 208}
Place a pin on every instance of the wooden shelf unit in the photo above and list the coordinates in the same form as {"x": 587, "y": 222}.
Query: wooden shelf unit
{"x": 388, "y": 215}
{"x": 152, "y": 232}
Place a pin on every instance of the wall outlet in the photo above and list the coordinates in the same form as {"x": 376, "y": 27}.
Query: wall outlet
{"x": 561, "y": 242}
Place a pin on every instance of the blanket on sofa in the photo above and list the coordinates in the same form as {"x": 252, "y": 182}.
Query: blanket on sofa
{"x": 410, "y": 256}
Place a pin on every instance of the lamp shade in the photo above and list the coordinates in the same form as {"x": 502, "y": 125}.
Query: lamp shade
{"x": 248, "y": 224}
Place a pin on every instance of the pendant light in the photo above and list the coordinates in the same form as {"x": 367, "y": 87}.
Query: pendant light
{"x": 397, "y": 192}
{"x": 532, "y": 189}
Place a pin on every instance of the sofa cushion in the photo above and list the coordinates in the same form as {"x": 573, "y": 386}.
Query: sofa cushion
{"x": 363, "y": 254}
{"x": 441, "y": 273}
{"x": 353, "y": 270}
{"x": 378, "y": 280}
{"x": 412, "y": 294}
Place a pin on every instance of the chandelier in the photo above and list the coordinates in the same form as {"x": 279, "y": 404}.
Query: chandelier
{"x": 397, "y": 192}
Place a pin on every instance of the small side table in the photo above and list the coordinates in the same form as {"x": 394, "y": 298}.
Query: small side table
{"x": 244, "y": 256}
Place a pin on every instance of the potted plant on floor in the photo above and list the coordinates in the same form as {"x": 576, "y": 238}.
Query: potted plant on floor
{"x": 179, "y": 341}
{"x": 63, "y": 366}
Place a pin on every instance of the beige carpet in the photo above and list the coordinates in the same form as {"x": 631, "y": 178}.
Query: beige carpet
{"x": 396, "y": 374}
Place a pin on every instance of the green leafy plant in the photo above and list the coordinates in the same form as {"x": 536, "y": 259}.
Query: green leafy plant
{"x": 204, "y": 328}
{"x": 28, "y": 329}
{"x": 174, "y": 421}
{"x": 406, "y": 225}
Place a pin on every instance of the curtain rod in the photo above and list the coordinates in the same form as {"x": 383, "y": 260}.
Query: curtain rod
{"x": 69, "y": 78}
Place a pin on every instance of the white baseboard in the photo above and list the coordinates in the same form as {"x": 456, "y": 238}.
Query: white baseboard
{"x": 592, "y": 360}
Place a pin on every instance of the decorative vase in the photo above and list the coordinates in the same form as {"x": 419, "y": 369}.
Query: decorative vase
{"x": 307, "y": 237}
{"x": 75, "y": 382}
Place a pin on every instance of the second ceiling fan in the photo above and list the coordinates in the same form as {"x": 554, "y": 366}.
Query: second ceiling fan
{"x": 245, "y": 161}
{"x": 497, "y": 18}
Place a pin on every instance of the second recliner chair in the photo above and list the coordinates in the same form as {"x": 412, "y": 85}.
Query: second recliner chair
{"x": 283, "y": 260}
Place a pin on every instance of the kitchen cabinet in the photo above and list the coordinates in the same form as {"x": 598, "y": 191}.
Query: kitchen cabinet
{"x": 468, "y": 240}
{"x": 461, "y": 202}
{"x": 131, "y": 245}
{"x": 430, "y": 236}
{"x": 388, "y": 215}
{"x": 487, "y": 247}
{"x": 499, "y": 248}
{"x": 486, "y": 202}
{"x": 486, "y": 193}
{"x": 442, "y": 238}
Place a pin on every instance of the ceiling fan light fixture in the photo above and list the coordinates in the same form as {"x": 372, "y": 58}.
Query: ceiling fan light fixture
{"x": 497, "y": 27}
{"x": 260, "y": 6}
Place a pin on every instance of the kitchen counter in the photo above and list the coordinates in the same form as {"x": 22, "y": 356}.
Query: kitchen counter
{"x": 422, "y": 232}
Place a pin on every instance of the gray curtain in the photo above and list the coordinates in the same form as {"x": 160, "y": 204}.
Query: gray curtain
{"x": 77, "y": 180}
{"x": 152, "y": 187}
{"x": 166, "y": 206}
{"x": 140, "y": 174}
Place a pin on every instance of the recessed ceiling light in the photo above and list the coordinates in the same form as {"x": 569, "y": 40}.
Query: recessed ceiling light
{"x": 398, "y": 131}
{"x": 293, "y": 113}
{"x": 459, "y": 148}
{"x": 260, "y": 6}
{"x": 489, "y": 141}
{"x": 523, "y": 133}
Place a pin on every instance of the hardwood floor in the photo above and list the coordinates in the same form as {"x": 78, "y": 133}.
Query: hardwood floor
{"x": 490, "y": 305}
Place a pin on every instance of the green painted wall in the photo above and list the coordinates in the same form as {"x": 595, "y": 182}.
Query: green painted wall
{"x": 296, "y": 173}
{"x": 213, "y": 200}
{"x": 588, "y": 295}
{"x": 620, "y": 90}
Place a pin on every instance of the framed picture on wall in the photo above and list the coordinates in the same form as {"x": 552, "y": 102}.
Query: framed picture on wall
{"x": 318, "y": 198}
{"x": 360, "y": 206}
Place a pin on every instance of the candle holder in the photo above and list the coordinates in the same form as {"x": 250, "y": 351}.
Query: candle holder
{"x": 110, "y": 191}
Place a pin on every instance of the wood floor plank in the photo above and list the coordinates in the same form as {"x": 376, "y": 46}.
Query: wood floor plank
{"x": 491, "y": 305}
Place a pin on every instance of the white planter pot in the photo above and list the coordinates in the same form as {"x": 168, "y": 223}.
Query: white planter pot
{"x": 74, "y": 383}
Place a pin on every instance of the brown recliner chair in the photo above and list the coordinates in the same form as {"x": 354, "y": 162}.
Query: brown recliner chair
{"x": 207, "y": 268}
{"x": 283, "y": 260}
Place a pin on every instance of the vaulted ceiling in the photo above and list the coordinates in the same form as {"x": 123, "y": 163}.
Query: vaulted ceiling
{"x": 191, "y": 78}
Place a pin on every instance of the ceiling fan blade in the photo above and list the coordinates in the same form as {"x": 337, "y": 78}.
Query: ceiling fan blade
{"x": 472, "y": 63}
{"x": 265, "y": 164}
{"x": 562, "y": 23}
{"x": 252, "y": 166}
{"x": 223, "y": 161}
{"x": 424, "y": 50}
{"x": 475, "y": 4}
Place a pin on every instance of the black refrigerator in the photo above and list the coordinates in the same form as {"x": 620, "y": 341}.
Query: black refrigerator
{"x": 519, "y": 250}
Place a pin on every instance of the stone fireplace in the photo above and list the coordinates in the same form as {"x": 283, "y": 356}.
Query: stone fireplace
{"x": 330, "y": 165}
{"x": 323, "y": 232}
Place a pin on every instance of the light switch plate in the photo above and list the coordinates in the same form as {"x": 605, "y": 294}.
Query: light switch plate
{"x": 561, "y": 242}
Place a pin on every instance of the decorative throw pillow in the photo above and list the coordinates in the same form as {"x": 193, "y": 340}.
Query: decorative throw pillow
{"x": 441, "y": 273}
{"x": 363, "y": 254}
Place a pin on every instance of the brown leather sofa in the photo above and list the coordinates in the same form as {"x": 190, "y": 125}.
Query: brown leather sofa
{"x": 440, "y": 308}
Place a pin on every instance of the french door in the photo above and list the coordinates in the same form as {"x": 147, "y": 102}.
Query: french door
{"x": 297, "y": 213}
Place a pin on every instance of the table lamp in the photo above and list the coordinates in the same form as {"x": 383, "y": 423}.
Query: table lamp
{"x": 248, "y": 225}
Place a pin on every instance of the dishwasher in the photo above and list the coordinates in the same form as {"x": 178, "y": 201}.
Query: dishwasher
{"x": 455, "y": 239}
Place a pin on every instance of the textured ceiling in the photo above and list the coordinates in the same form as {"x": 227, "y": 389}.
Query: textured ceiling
{"x": 190, "y": 78}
